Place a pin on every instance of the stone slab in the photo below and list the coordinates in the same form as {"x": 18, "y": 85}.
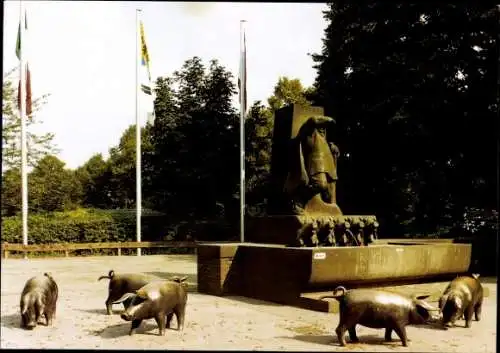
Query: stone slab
{"x": 283, "y": 274}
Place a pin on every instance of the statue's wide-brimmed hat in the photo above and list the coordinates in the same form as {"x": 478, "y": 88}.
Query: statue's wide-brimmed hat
{"x": 300, "y": 114}
{"x": 322, "y": 119}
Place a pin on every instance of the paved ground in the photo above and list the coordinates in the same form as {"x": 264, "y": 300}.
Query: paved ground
{"x": 211, "y": 322}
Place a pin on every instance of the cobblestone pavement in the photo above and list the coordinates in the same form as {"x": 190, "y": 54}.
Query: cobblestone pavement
{"x": 211, "y": 322}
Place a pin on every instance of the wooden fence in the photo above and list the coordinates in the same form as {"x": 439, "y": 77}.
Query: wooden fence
{"x": 68, "y": 247}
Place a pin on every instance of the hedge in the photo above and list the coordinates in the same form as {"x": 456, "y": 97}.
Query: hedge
{"x": 85, "y": 226}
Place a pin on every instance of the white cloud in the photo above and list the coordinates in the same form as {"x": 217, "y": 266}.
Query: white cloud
{"x": 83, "y": 53}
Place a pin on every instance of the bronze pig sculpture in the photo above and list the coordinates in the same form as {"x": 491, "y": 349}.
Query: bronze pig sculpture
{"x": 121, "y": 284}
{"x": 462, "y": 297}
{"x": 379, "y": 309}
{"x": 158, "y": 300}
{"x": 38, "y": 298}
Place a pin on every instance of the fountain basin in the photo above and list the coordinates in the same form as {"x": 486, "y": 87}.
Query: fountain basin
{"x": 282, "y": 274}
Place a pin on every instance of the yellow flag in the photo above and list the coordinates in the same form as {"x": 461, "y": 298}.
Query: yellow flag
{"x": 144, "y": 51}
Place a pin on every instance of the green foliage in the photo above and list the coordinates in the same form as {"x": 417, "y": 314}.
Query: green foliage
{"x": 92, "y": 177}
{"x": 413, "y": 90}
{"x": 121, "y": 170}
{"x": 161, "y": 164}
{"x": 480, "y": 222}
{"x": 288, "y": 91}
{"x": 11, "y": 192}
{"x": 51, "y": 187}
{"x": 258, "y": 144}
{"x": 39, "y": 145}
{"x": 111, "y": 183}
{"x": 84, "y": 226}
{"x": 192, "y": 167}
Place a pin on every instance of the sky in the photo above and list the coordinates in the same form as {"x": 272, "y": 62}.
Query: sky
{"x": 83, "y": 54}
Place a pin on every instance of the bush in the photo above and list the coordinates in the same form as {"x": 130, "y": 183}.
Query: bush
{"x": 85, "y": 226}
{"x": 481, "y": 227}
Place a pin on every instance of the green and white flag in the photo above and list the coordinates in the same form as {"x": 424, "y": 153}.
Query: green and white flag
{"x": 146, "y": 84}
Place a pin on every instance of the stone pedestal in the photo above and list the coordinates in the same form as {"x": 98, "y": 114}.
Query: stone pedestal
{"x": 216, "y": 273}
{"x": 289, "y": 275}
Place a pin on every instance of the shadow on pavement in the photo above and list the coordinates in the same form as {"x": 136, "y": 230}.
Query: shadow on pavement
{"x": 155, "y": 332}
{"x": 377, "y": 339}
{"x": 251, "y": 301}
{"x": 432, "y": 326}
{"x": 12, "y": 321}
{"x": 490, "y": 280}
{"x": 330, "y": 340}
{"x": 122, "y": 329}
{"x": 100, "y": 311}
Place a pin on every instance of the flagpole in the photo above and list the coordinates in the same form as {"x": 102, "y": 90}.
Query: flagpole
{"x": 137, "y": 135}
{"x": 242, "y": 128}
{"x": 22, "y": 113}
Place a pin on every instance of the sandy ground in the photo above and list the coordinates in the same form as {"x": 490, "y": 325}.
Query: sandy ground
{"x": 211, "y": 322}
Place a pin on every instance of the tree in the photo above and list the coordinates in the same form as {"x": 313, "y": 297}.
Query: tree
{"x": 189, "y": 95}
{"x": 195, "y": 142}
{"x": 121, "y": 169}
{"x": 289, "y": 91}
{"x": 161, "y": 165}
{"x": 39, "y": 145}
{"x": 171, "y": 163}
{"x": 51, "y": 187}
{"x": 401, "y": 79}
{"x": 258, "y": 143}
{"x": 217, "y": 127}
{"x": 93, "y": 178}
{"x": 11, "y": 192}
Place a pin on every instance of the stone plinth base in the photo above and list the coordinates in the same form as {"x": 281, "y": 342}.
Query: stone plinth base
{"x": 215, "y": 268}
{"x": 284, "y": 275}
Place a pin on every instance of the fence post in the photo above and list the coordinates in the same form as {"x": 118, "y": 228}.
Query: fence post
{"x": 119, "y": 251}
{"x": 5, "y": 250}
